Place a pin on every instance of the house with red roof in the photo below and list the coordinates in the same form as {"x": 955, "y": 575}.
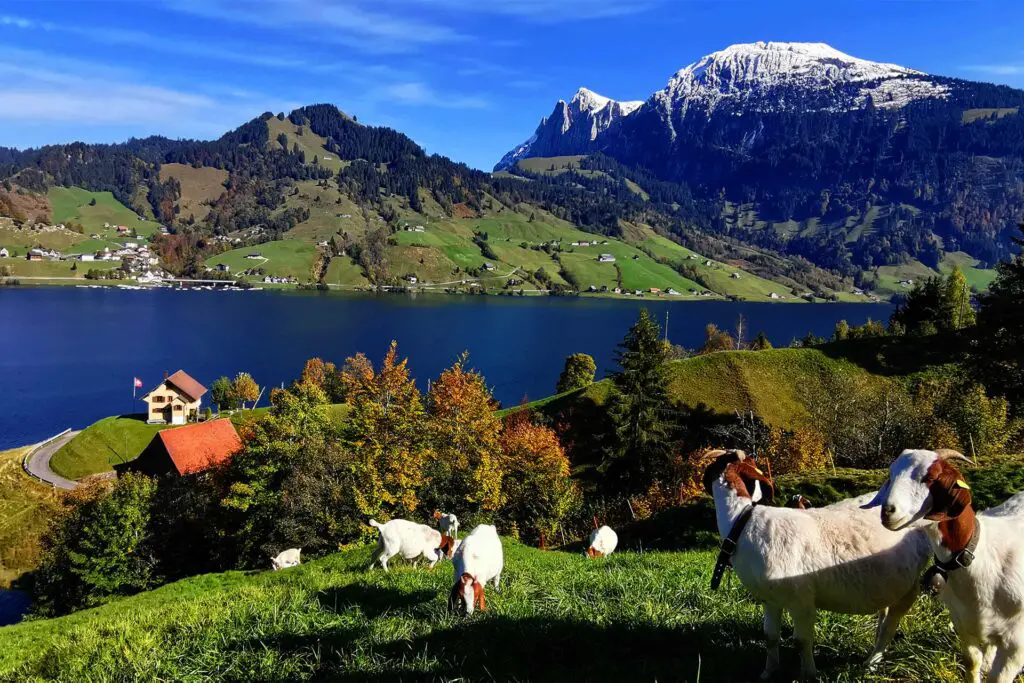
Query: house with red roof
{"x": 174, "y": 401}
{"x": 188, "y": 450}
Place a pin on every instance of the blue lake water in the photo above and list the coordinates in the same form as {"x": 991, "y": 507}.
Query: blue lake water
{"x": 68, "y": 355}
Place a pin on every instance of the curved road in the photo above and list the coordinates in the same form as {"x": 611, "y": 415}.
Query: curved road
{"x": 38, "y": 464}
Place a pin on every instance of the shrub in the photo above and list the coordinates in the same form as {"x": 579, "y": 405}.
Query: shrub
{"x": 98, "y": 547}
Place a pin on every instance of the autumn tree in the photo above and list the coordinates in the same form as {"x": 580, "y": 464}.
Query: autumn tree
{"x": 244, "y": 389}
{"x": 716, "y": 340}
{"x": 538, "y": 490}
{"x": 385, "y": 430}
{"x": 298, "y": 422}
{"x": 638, "y": 403}
{"x": 464, "y": 468}
{"x": 958, "y": 293}
{"x": 578, "y": 372}
{"x": 325, "y": 375}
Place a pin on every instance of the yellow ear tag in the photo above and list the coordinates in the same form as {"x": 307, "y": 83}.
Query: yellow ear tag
{"x": 758, "y": 471}
{"x": 962, "y": 484}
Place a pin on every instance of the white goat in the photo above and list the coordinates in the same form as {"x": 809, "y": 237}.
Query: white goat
{"x": 447, "y": 523}
{"x": 411, "y": 540}
{"x": 287, "y": 558}
{"x": 478, "y": 560}
{"x": 833, "y": 558}
{"x": 602, "y": 542}
{"x": 979, "y": 568}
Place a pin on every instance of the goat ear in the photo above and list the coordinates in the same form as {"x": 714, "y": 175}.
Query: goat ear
{"x": 722, "y": 460}
{"x": 951, "y": 494}
{"x": 879, "y": 497}
{"x": 754, "y": 478}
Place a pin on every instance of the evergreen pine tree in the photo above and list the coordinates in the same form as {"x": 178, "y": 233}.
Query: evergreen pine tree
{"x": 997, "y": 355}
{"x": 637, "y": 405}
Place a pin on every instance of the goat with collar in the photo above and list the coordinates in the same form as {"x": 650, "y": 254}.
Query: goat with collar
{"x": 833, "y": 558}
{"x": 979, "y": 572}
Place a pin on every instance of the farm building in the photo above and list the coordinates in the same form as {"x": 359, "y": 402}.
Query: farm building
{"x": 188, "y": 450}
{"x": 175, "y": 400}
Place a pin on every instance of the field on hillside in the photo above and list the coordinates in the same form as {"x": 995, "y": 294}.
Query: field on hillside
{"x": 719, "y": 276}
{"x": 59, "y": 269}
{"x": 198, "y": 187}
{"x": 342, "y": 271}
{"x": 330, "y": 211}
{"x": 311, "y": 144}
{"x": 72, "y": 204}
{"x": 977, "y": 277}
{"x": 632, "y": 616}
{"x": 282, "y": 258}
{"x": 25, "y": 509}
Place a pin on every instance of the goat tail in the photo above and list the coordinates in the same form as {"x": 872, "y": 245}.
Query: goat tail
{"x": 375, "y": 523}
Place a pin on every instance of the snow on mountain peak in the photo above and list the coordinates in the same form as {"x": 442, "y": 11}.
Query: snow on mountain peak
{"x": 749, "y": 71}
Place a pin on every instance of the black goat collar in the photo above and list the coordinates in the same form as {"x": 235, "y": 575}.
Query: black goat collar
{"x": 728, "y": 546}
{"x": 935, "y": 578}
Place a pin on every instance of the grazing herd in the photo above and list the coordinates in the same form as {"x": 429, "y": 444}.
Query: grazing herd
{"x": 863, "y": 555}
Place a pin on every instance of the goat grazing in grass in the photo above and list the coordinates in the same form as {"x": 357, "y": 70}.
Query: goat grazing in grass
{"x": 835, "y": 558}
{"x": 408, "y": 539}
{"x": 447, "y": 523}
{"x": 287, "y": 558}
{"x": 979, "y": 558}
{"x": 602, "y": 542}
{"x": 479, "y": 560}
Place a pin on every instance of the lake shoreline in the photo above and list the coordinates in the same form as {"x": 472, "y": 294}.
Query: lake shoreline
{"x": 344, "y": 290}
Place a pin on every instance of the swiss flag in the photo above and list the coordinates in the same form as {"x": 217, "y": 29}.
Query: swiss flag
{"x": 138, "y": 383}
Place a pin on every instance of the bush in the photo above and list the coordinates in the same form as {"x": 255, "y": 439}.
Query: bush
{"x": 99, "y": 546}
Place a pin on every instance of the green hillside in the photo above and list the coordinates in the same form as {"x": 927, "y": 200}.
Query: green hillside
{"x": 72, "y": 204}
{"x": 633, "y": 616}
{"x": 281, "y": 258}
{"x": 26, "y": 506}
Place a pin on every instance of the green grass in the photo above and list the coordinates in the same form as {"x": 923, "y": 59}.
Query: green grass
{"x": 978, "y": 278}
{"x": 199, "y": 187}
{"x": 633, "y": 616}
{"x": 103, "y": 444}
{"x": 719, "y": 276}
{"x": 326, "y": 216}
{"x": 71, "y": 204}
{"x": 344, "y": 272}
{"x": 309, "y": 142}
{"x": 25, "y": 508}
{"x": 282, "y": 258}
{"x": 544, "y": 164}
{"x": 25, "y": 268}
{"x": 889, "y": 277}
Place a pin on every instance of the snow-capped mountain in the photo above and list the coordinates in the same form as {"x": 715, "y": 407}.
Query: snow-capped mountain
{"x": 571, "y": 125}
{"x": 751, "y": 77}
{"x": 779, "y": 76}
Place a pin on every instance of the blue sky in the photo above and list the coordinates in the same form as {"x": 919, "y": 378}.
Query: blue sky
{"x": 464, "y": 78}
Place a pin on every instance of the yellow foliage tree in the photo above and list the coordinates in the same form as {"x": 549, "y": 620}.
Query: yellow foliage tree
{"x": 465, "y": 469}
{"x": 385, "y": 430}
{"x": 538, "y": 490}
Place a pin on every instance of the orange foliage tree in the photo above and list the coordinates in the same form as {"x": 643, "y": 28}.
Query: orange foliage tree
{"x": 538, "y": 490}
{"x": 385, "y": 430}
{"x": 464, "y": 466}
{"x": 325, "y": 375}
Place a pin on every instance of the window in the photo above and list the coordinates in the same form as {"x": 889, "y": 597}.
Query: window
{"x": 158, "y": 399}
{"x": 177, "y": 409}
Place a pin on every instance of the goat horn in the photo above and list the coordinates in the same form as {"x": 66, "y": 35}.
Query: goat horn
{"x": 950, "y": 454}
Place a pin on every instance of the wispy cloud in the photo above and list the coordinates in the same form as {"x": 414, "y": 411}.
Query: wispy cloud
{"x": 344, "y": 22}
{"x": 89, "y": 94}
{"x": 421, "y": 94}
{"x": 540, "y": 11}
{"x": 997, "y": 69}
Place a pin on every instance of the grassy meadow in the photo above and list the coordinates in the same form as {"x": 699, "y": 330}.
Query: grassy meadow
{"x": 281, "y": 258}
{"x": 199, "y": 187}
{"x": 25, "y": 509}
{"x": 71, "y": 204}
{"x": 632, "y": 616}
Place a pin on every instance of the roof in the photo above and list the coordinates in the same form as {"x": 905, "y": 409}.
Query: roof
{"x": 184, "y": 382}
{"x": 200, "y": 446}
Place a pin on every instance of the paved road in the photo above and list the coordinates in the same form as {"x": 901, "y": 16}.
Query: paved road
{"x": 38, "y": 463}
